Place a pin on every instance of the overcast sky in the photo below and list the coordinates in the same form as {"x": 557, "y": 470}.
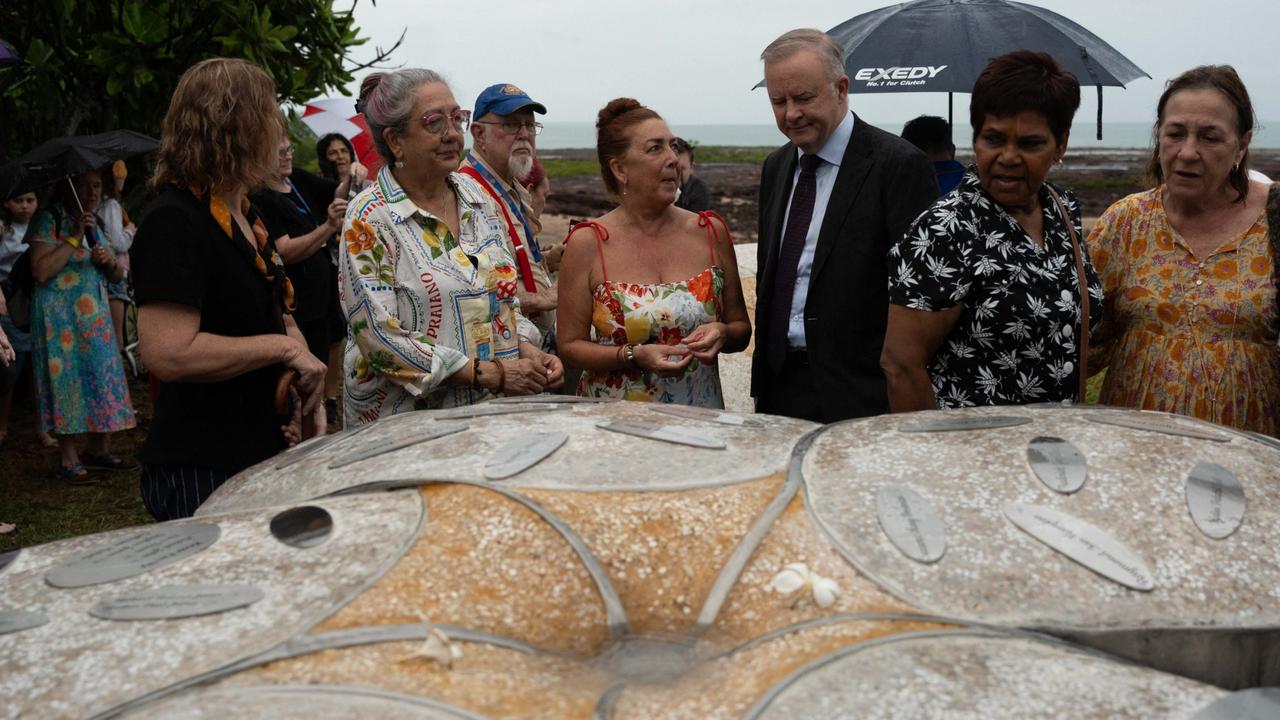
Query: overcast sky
{"x": 695, "y": 61}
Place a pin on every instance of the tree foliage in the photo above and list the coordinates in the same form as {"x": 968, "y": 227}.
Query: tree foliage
{"x": 94, "y": 65}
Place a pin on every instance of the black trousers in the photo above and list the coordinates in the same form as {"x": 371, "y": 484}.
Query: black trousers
{"x": 175, "y": 491}
{"x": 792, "y": 392}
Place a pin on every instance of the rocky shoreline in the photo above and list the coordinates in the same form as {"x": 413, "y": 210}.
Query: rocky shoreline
{"x": 1098, "y": 178}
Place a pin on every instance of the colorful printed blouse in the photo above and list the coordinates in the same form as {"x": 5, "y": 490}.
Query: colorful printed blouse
{"x": 1181, "y": 334}
{"x": 1016, "y": 340}
{"x": 421, "y": 303}
{"x": 662, "y": 313}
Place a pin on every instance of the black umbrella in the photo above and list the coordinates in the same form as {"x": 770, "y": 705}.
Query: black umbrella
{"x": 943, "y": 45}
{"x": 56, "y": 159}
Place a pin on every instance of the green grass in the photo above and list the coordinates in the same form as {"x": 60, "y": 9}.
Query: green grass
{"x": 564, "y": 167}
{"x": 46, "y": 508}
{"x": 718, "y": 154}
{"x": 568, "y": 167}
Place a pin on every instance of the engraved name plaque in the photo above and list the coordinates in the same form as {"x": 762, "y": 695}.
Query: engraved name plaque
{"x": 523, "y": 453}
{"x": 176, "y": 601}
{"x": 908, "y": 520}
{"x": 1157, "y": 424}
{"x": 1259, "y": 703}
{"x": 7, "y": 558}
{"x": 133, "y": 555}
{"x": 489, "y": 409}
{"x": 963, "y": 422}
{"x": 15, "y": 621}
{"x": 396, "y": 439}
{"x": 1059, "y": 464}
{"x": 707, "y": 414}
{"x": 547, "y": 398}
{"x": 302, "y": 527}
{"x": 1215, "y": 499}
{"x": 665, "y": 433}
{"x": 1083, "y": 542}
{"x": 313, "y": 446}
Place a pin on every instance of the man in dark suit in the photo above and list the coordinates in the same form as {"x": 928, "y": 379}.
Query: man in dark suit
{"x": 832, "y": 201}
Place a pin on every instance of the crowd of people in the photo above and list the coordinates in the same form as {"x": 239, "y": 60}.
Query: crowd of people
{"x": 891, "y": 278}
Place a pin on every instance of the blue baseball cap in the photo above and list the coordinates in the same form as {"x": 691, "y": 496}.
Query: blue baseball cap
{"x": 504, "y": 99}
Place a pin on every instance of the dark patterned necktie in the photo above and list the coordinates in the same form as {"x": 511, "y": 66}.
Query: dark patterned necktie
{"x": 784, "y": 280}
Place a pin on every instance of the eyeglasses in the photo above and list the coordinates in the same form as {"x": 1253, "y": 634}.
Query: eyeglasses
{"x": 511, "y": 127}
{"x": 285, "y": 152}
{"x": 438, "y": 123}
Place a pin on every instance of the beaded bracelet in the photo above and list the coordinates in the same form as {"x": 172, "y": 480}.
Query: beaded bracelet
{"x": 502, "y": 377}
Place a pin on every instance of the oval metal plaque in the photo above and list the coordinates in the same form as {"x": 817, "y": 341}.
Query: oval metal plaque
{"x": 176, "y": 601}
{"x": 910, "y": 523}
{"x": 545, "y": 398}
{"x": 1083, "y": 542}
{"x": 315, "y": 445}
{"x": 1259, "y": 703}
{"x": 708, "y": 414}
{"x": 665, "y": 433}
{"x": 488, "y": 409}
{"x": 302, "y": 527}
{"x": 396, "y": 439}
{"x": 1059, "y": 464}
{"x": 1215, "y": 499}
{"x": 13, "y": 621}
{"x": 523, "y": 453}
{"x": 965, "y": 422}
{"x": 134, "y": 554}
{"x": 1157, "y": 424}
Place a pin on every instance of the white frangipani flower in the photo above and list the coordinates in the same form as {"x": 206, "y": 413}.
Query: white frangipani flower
{"x": 436, "y": 646}
{"x": 796, "y": 578}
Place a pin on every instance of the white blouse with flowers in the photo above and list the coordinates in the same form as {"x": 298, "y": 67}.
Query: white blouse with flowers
{"x": 421, "y": 303}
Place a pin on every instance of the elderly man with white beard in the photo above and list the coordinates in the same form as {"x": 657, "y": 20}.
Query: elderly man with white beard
{"x": 503, "y": 132}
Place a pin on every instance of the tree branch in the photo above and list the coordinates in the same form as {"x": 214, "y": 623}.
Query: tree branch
{"x": 381, "y": 56}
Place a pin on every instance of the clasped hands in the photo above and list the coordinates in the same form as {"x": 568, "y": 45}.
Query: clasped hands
{"x": 533, "y": 373}
{"x": 703, "y": 343}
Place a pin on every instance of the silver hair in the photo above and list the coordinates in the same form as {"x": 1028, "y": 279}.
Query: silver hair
{"x": 389, "y": 103}
{"x": 794, "y": 41}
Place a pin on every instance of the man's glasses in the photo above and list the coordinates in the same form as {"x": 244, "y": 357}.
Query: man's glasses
{"x": 511, "y": 127}
{"x": 438, "y": 123}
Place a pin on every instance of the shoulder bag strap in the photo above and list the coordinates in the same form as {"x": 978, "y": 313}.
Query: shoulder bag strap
{"x": 1084, "y": 292}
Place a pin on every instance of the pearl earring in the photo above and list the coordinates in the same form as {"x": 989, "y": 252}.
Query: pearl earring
{"x": 398, "y": 164}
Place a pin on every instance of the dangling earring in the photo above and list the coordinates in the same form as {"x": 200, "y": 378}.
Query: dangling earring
{"x": 1235, "y": 168}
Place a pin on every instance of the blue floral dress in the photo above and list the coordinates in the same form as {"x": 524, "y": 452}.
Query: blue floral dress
{"x": 80, "y": 380}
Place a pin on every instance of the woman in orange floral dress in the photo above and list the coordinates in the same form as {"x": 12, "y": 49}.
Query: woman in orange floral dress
{"x": 1190, "y": 318}
{"x": 659, "y": 286}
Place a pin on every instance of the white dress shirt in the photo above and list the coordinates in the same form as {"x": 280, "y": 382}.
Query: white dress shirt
{"x": 831, "y": 154}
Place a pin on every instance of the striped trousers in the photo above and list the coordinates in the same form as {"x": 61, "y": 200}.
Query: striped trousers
{"x": 175, "y": 491}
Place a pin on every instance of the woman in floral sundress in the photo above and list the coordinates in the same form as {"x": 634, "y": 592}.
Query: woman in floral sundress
{"x": 659, "y": 285}
{"x": 80, "y": 379}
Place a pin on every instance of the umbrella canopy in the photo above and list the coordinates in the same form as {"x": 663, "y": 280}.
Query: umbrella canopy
{"x": 8, "y": 56}
{"x": 943, "y": 45}
{"x": 51, "y": 161}
{"x": 338, "y": 115}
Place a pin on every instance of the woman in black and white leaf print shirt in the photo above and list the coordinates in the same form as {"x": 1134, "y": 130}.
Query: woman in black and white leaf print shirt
{"x": 983, "y": 291}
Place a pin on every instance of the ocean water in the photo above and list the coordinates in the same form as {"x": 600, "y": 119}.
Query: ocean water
{"x": 1115, "y": 135}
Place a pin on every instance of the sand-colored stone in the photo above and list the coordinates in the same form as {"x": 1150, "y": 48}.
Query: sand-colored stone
{"x": 487, "y": 563}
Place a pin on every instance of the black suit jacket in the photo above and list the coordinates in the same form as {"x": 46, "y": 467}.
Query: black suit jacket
{"x": 883, "y": 184}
